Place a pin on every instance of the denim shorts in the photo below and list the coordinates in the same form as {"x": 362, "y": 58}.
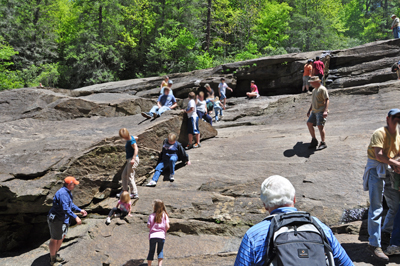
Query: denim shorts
{"x": 317, "y": 119}
{"x": 223, "y": 96}
{"x": 193, "y": 126}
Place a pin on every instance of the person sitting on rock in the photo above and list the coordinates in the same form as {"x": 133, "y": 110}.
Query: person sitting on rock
{"x": 210, "y": 98}
{"x": 193, "y": 122}
{"x": 278, "y": 196}
{"x": 217, "y": 108}
{"x": 172, "y": 151}
{"x": 222, "y": 92}
{"x": 254, "y": 91}
{"x": 132, "y": 162}
{"x": 169, "y": 85}
{"x": 202, "y": 109}
{"x": 123, "y": 207}
{"x": 164, "y": 103}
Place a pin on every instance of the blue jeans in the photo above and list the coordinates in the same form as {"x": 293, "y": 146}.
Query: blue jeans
{"x": 159, "y": 111}
{"x": 164, "y": 164}
{"x": 396, "y": 32}
{"x": 216, "y": 109}
{"x": 204, "y": 116}
{"x": 160, "y": 245}
{"x": 379, "y": 187}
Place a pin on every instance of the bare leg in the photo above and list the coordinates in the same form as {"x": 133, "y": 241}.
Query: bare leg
{"x": 302, "y": 88}
{"x": 308, "y": 87}
{"x": 190, "y": 138}
{"x": 252, "y": 94}
{"x": 149, "y": 262}
{"x": 322, "y": 132}
{"x": 160, "y": 262}
{"x": 311, "y": 129}
{"x": 197, "y": 138}
{"x": 224, "y": 103}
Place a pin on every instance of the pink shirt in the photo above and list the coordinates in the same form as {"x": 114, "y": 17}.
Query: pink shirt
{"x": 124, "y": 206}
{"x": 158, "y": 230}
{"x": 254, "y": 88}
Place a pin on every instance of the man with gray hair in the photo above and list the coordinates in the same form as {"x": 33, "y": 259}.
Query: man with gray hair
{"x": 278, "y": 196}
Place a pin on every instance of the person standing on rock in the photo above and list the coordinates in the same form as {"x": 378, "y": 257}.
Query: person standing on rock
{"x": 192, "y": 123}
{"x": 172, "y": 151}
{"x": 395, "y": 26}
{"x": 164, "y": 103}
{"x": 318, "y": 112}
{"x": 168, "y": 84}
{"x": 132, "y": 162}
{"x": 306, "y": 75}
{"x": 278, "y": 196}
{"x": 58, "y": 218}
{"x": 222, "y": 92}
{"x": 210, "y": 98}
{"x": 318, "y": 68}
{"x": 383, "y": 147}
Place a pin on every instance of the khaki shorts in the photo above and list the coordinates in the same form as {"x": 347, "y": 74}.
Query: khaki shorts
{"x": 305, "y": 80}
{"x": 58, "y": 229}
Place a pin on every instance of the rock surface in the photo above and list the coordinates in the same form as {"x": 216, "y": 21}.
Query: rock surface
{"x": 46, "y": 135}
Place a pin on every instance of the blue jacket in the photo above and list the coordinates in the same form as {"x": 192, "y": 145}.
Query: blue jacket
{"x": 63, "y": 205}
{"x": 253, "y": 249}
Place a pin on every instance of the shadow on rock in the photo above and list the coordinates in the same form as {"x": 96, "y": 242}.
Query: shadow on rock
{"x": 42, "y": 260}
{"x": 300, "y": 149}
{"x": 165, "y": 173}
{"x": 135, "y": 263}
{"x": 358, "y": 253}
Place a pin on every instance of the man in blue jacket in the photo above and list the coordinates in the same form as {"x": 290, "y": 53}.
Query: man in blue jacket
{"x": 58, "y": 217}
{"x": 278, "y": 196}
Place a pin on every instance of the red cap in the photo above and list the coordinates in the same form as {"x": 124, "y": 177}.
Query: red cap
{"x": 71, "y": 179}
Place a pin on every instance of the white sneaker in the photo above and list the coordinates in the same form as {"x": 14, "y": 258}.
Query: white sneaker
{"x": 171, "y": 178}
{"x": 152, "y": 183}
{"x": 108, "y": 220}
{"x": 392, "y": 250}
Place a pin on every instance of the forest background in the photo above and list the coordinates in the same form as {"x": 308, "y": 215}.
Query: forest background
{"x": 76, "y": 43}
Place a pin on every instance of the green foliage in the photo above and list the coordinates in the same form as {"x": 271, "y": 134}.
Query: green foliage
{"x": 8, "y": 79}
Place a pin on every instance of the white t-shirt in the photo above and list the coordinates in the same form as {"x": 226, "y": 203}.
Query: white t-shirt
{"x": 222, "y": 87}
{"x": 191, "y": 104}
{"x": 201, "y": 106}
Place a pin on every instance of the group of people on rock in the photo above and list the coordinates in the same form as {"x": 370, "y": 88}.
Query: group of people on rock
{"x": 312, "y": 68}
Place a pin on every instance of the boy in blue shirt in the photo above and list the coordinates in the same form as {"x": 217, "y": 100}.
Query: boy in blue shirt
{"x": 164, "y": 103}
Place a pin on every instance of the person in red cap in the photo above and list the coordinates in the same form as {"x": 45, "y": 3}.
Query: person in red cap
{"x": 58, "y": 217}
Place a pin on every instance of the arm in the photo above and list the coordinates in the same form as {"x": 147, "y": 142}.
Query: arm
{"x": 325, "y": 114}
{"x": 174, "y": 105}
{"x": 245, "y": 256}
{"x": 190, "y": 110}
{"x": 167, "y": 223}
{"x": 135, "y": 147}
{"x": 64, "y": 203}
{"x": 380, "y": 156}
{"x": 159, "y": 104}
{"x": 309, "y": 111}
{"x": 129, "y": 211}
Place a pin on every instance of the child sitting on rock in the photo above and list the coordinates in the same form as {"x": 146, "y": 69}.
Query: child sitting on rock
{"x": 217, "y": 108}
{"x": 193, "y": 122}
{"x": 123, "y": 207}
{"x": 132, "y": 161}
{"x": 158, "y": 223}
{"x": 202, "y": 109}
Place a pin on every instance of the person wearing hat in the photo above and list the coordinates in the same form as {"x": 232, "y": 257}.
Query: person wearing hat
{"x": 395, "y": 26}
{"x": 383, "y": 147}
{"x": 318, "y": 112}
{"x": 165, "y": 102}
{"x": 59, "y": 215}
{"x": 306, "y": 75}
{"x": 169, "y": 85}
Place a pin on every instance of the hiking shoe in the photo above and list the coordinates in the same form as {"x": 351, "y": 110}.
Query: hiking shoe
{"x": 171, "y": 178}
{"x": 147, "y": 115}
{"x": 188, "y": 147}
{"x": 313, "y": 144}
{"x": 197, "y": 145}
{"x": 392, "y": 250}
{"x": 322, "y": 146}
{"x": 378, "y": 253}
{"x": 152, "y": 183}
{"x": 108, "y": 220}
{"x": 134, "y": 196}
{"x": 59, "y": 259}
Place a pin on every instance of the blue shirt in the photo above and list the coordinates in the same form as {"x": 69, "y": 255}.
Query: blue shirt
{"x": 63, "y": 205}
{"x": 253, "y": 248}
{"x": 167, "y": 100}
{"x": 162, "y": 91}
{"x": 169, "y": 150}
{"x": 130, "y": 151}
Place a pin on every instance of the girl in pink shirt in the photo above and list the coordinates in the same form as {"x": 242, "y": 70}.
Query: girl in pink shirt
{"x": 254, "y": 91}
{"x": 158, "y": 223}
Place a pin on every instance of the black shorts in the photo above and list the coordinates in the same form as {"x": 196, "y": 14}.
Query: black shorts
{"x": 58, "y": 229}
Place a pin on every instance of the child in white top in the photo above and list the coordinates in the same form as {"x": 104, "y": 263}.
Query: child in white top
{"x": 222, "y": 92}
{"x": 217, "y": 108}
{"x": 193, "y": 122}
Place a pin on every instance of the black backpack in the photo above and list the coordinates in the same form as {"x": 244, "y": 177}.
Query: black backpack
{"x": 296, "y": 239}
{"x": 395, "y": 67}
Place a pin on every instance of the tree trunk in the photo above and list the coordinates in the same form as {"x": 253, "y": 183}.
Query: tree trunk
{"x": 208, "y": 30}
{"x": 101, "y": 21}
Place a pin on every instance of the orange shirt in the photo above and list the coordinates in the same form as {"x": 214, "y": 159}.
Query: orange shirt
{"x": 307, "y": 70}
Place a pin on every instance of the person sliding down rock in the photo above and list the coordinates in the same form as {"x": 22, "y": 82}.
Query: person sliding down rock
{"x": 318, "y": 112}
{"x": 164, "y": 103}
{"x": 172, "y": 151}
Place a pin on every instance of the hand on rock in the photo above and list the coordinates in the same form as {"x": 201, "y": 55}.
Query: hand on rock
{"x": 84, "y": 213}
{"x": 78, "y": 220}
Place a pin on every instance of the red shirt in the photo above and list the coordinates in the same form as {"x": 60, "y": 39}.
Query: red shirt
{"x": 318, "y": 67}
